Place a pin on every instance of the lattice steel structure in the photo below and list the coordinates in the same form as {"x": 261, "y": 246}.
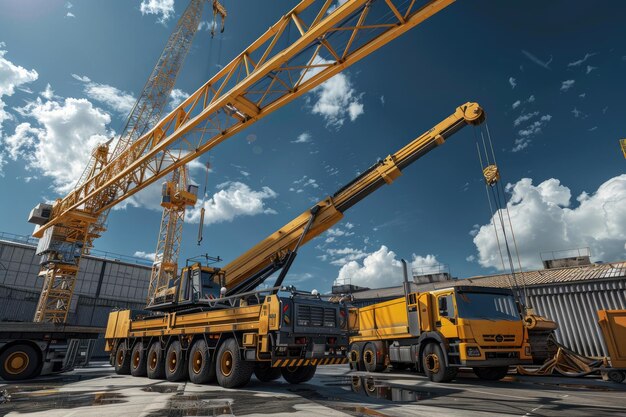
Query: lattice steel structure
{"x": 306, "y": 47}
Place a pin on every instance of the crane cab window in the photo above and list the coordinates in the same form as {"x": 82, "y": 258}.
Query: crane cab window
{"x": 210, "y": 289}
{"x": 446, "y": 306}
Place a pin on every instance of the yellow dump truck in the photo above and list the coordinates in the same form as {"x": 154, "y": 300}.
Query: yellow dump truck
{"x": 437, "y": 332}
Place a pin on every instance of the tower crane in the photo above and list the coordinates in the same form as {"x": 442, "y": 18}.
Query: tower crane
{"x": 307, "y": 46}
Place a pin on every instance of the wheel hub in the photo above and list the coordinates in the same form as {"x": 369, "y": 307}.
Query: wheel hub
{"x": 226, "y": 363}
{"x": 197, "y": 362}
{"x": 432, "y": 363}
{"x": 16, "y": 363}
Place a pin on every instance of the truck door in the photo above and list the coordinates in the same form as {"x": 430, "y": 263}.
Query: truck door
{"x": 446, "y": 315}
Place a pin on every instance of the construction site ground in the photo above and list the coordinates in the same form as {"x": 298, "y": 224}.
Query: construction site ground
{"x": 335, "y": 391}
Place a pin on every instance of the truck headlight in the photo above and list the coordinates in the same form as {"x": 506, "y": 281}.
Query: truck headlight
{"x": 472, "y": 351}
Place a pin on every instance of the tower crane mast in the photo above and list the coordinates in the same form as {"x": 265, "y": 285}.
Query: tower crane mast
{"x": 307, "y": 46}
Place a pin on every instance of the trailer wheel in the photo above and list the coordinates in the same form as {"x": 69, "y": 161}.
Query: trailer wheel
{"x": 616, "y": 376}
{"x": 156, "y": 364}
{"x": 232, "y": 371}
{"x": 200, "y": 363}
{"x": 138, "y": 362}
{"x": 19, "y": 361}
{"x": 122, "y": 359}
{"x": 434, "y": 364}
{"x": 354, "y": 356}
{"x": 298, "y": 374}
{"x": 265, "y": 373}
{"x": 495, "y": 373}
{"x": 372, "y": 358}
{"x": 175, "y": 364}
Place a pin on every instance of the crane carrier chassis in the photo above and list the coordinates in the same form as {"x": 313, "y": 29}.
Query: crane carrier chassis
{"x": 265, "y": 334}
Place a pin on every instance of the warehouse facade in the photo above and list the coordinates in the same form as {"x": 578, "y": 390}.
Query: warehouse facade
{"x": 106, "y": 281}
{"x": 569, "y": 295}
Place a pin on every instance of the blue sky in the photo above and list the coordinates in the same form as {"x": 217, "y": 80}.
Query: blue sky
{"x": 550, "y": 77}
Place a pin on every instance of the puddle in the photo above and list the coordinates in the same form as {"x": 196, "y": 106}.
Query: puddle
{"x": 162, "y": 389}
{"x": 31, "y": 400}
{"x": 381, "y": 389}
{"x": 577, "y": 386}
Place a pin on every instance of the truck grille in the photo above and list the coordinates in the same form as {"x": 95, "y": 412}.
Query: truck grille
{"x": 499, "y": 338}
{"x": 316, "y": 316}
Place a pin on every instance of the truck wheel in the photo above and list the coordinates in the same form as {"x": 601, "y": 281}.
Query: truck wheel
{"x": 156, "y": 364}
{"x": 175, "y": 366}
{"x": 19, "y": 362}
{"x": 495, "y": 373}
{"x": 138, "y": 360}
{"x": 232, "y": 371}
{"x": 372, "y": 358}
{"x": 616, "y": 376}
{"x": 355, "y": 357}
{"x": 122, "y": 359}
{"x": 434, "y": 364}
{"x": 265, "y": 373}
{"x": 298, "y": 374}
{"x": 201, "y": 366}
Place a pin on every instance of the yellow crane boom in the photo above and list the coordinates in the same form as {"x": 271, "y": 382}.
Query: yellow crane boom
{"x": 267, "y": 75}
{"x": 273, "y": 253}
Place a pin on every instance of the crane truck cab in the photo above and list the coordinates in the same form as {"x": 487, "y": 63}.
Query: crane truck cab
{"x": 196, "y": 282}
{"x": 438, "y": 332}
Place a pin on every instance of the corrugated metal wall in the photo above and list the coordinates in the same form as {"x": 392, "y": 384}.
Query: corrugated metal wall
{"x": 575, "y": 306}
{"x": 104, "y": 284}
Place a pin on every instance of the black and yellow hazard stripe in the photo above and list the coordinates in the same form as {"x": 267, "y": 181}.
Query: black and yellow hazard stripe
{"x": 279, "y": 363}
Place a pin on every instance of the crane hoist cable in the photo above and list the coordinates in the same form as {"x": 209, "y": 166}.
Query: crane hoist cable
{"x": 495, "y": 191}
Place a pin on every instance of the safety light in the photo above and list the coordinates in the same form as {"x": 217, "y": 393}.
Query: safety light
{"x": 472, "y": 351}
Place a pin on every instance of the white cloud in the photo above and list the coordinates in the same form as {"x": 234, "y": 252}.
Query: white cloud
{"x": 590, "y": 68}
{"x": 380, "y": 269}
{"x": 524, "y": 117}
{"x": 144, "y": 255}
{"x": 544, "y": 220}
{"x": 567, "y": 84}
{"x": 516, "y": 104}
{"x": 48, "y": 93}
{"x": 177, "y": 96}
{"x": 120, "y": 101}
{"x": 582, "y": 60}
{"x": 527, "y": 133}
{"x": 70, "y": 14}
{"x": 60, "y": 143}
{"x": 303, "y": 137}
{"x": 336, "y": 98}
{"x": 162, "y": 8}
{"x": 340, "y": 257}
{"x": 11, "y": 77}
{"x": 234, "y": 200}
{"x": 302, "y": 183}
{"x": 382, "y": 100}
{"x": 512, "y": 82}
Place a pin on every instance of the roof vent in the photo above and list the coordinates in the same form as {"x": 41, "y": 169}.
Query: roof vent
{"x": 566, "y": 258}
{"x": 431, "y": 273}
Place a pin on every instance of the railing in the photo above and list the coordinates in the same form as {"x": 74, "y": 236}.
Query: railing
{"x": 110, "y": 256}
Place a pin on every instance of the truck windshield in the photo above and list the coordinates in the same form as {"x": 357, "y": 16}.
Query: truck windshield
{"x": 485, "y": 306}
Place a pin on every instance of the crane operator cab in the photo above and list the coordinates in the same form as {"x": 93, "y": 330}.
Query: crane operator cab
{"x": 199, "y": 282}
{"x": 195, "y": 284}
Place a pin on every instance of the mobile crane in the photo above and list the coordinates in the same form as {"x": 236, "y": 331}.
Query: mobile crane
{"x": 217, "y": 327}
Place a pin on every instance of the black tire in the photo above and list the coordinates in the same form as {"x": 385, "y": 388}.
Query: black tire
{"x": 616, "y": 376}
{"x": 122, "y": 359}
{"x": 155, "y": 363}
{"x": 355, "y": 356}
{"x": 265, "y": 373}
{"x": 201, "y": 364}
{"x": 232, "y": 370}
{"x": 434, "y": 364}
{"x": 298, "y": 374}
{"x": 175, "y": 363}
{"x": 20, "y": 362}
{"x": 138, "y": 361}
{"x": 495, "y": 373}
{"x": 373, "y": 360}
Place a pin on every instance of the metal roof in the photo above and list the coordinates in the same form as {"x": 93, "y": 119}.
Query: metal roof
{"x": 542, "y": 277}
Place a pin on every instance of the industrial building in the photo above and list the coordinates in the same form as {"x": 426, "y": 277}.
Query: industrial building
{"x": 569, "y": 291}
{"x": 108, "y": 281}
